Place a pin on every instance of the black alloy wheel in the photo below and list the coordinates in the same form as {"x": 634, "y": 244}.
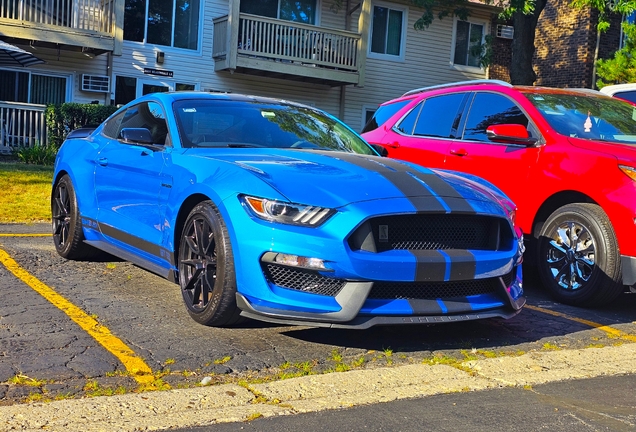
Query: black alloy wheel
{"x": 68, "y": 236}
{"x": 206, "y": 268}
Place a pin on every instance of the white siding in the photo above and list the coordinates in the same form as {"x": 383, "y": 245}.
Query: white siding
{"x": 427, "y": 62}
{"x": 198, "y": 68}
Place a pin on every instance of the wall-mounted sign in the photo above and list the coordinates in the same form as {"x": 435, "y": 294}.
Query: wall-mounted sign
{"x": 160, "y": 72}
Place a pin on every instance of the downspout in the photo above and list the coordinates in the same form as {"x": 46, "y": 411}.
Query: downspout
{"x": 343, "y": 88}
{"x": 109, "y": 98}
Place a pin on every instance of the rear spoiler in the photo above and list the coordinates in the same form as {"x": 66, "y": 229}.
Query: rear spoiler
{"x": 82, "y": 132}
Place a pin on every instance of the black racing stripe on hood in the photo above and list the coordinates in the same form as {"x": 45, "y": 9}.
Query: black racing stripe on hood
{"x": 426, "y": 191}
{"x": 437, "y": 184}
{"x": 462, "y": 265}
{"x": 412, "y": 189}
{"x": 430, "y": 265}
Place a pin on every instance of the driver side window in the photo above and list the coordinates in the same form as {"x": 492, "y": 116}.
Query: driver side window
{"x": 147, "y": 115}
{"x": 489, "y": 109}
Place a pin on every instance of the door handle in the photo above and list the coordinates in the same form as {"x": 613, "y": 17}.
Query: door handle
{"x": 102, "y": 161}
{"x": 394, "y": 144}
{"x": 458, "y": 152}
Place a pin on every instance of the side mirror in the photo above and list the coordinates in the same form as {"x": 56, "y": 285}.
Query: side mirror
{"x": 510, "y": 133}
{"x": 136, "y": 136}
{"x": 381, "y": 150}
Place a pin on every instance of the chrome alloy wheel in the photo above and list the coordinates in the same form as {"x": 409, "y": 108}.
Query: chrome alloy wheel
{"x": 571, "y": 255}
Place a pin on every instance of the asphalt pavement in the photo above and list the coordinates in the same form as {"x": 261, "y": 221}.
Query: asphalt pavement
{"x": 579, "y": 363}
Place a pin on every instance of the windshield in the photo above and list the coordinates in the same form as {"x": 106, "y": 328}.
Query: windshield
{"x": 588, "y": 117}
{"x": 226, "y": 123}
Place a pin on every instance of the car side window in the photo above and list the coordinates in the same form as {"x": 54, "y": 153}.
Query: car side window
{"x": 383, "y": 113}
{"x": 489, "y": 109}
{"x": 147, "y": 115}
{"x": 111, "y": 127}
{"x": 437, "y": 117}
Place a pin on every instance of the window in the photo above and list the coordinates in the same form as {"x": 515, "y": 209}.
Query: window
{"x": 172, "y": 23}
{"x": 125, "y": 89}
{"x": 32, "y": 88}
{"x": 303, "y": 11}
{"x": 387, "y": 31}
{"x": 383, "y": 113}
{"x": 435, "y": 117}
{"x": 148, "y": 115}
{"x": 469, "y": 38}
{"x": 490, "y": 109}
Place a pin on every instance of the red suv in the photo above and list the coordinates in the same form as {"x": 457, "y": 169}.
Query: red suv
{"x": 567, "y": 158}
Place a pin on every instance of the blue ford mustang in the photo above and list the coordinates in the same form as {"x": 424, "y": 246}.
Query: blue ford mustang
{"x": 277, "y": 211}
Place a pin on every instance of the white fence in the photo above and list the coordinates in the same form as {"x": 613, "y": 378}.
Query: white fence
{"x": 21, "y": 125}
{"x": 275, "y": 39}
{"x": 91, "y": 15}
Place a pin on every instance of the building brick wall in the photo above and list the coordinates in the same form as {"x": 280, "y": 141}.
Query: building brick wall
{"x": 565, "y": 42}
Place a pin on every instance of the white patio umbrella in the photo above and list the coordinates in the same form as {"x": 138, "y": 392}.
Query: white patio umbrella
{"x": 11, "y": 55}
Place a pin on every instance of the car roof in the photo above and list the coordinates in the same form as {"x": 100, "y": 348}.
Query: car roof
{"x": 612, "y": 89}
{"x": 472, "y": 84}
{"x": 173, "y": 96}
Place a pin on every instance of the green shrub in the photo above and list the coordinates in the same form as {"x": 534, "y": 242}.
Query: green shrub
{"x": 62, "y": 119}
{"x": 37, "y": 154}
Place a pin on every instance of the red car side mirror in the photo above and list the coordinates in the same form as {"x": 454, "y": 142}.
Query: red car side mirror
{"x": 510, "y": 133}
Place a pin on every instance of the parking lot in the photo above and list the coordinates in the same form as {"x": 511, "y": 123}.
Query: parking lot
{"x": 69, "y": 329}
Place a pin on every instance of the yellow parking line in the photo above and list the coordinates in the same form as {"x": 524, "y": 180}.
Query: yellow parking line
{"x": 25, "y": 235}
{"x": 612, "y": 332}
{"x": 138, "y": 369}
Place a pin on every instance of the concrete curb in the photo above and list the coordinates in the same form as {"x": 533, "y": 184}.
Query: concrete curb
{"x": 227, "y": 403}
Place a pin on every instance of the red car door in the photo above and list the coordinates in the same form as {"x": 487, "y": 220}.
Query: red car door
{"x": 508, "y": 166}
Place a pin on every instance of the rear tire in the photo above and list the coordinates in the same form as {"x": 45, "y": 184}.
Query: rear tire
{"x": 206, "y": 268}
{"x": 577, "y": 256}
{"x": 68, "y": 235}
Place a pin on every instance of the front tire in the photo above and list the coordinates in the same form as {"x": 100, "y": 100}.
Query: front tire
{"x": 206, "y": 268}
{"x": 68, "y": 235}
{"x": 578, "y": 258}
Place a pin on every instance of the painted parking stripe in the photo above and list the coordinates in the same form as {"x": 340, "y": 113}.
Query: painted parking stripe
{"x": 25, "y": 235}
{"x": 138, "y": 369}
{"x": 611, "y": 331}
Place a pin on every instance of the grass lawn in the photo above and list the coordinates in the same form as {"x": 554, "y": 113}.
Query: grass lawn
{"x": 25, "y": 192}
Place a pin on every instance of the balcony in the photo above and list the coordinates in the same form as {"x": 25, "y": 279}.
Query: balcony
{"x": 284, "y": 49}
{"x": 92, "y": 26}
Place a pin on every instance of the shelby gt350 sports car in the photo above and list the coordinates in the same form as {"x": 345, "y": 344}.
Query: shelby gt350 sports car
{"x": 272, "y": 210}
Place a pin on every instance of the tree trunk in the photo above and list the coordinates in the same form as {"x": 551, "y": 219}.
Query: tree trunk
{"x": 521, "y": 70}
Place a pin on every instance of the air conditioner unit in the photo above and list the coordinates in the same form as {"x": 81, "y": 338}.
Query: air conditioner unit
{"x": 95, "y": 83}
{"x": 505, "y": 32}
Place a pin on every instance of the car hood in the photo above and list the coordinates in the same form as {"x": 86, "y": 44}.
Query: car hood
{"x": 625, "y": 152}
{"x": 334, "y": 179}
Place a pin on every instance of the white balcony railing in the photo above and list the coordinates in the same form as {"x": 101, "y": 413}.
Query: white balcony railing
{"x": 21, "y": 125}
{"x": 90, "y": 15}
{"x": 275, "y": 39}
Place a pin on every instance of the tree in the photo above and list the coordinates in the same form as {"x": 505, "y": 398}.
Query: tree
{"x": 622, "y": 67}
{"x": 523, "y": 13}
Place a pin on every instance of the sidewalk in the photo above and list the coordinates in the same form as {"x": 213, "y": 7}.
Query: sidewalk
{"x": 227, "y": 403}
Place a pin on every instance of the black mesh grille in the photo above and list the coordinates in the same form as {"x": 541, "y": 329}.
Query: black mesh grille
{"x": 302, "y": 280}
{"x": 508, "y": 278}
{"x": 433, "y": 290}
{"x": 431, "y": 232}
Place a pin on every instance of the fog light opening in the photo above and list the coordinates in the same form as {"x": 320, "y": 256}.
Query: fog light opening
{"x": 299, "y": 261}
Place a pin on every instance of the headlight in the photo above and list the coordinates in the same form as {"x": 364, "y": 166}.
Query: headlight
{"x": 287, "y": 213}
{"x": 629, "y": 171}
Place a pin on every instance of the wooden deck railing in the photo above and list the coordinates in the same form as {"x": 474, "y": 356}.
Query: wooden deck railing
{"x": 90, "y": 15}
{"x": 276, "y": 39}
{"x": 21, "y": 125}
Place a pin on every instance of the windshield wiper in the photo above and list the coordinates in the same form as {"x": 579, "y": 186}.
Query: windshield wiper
{"x": 241, "y": 145}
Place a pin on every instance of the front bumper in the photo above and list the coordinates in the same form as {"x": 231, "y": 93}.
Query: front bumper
{"x": 356, "y": 303}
